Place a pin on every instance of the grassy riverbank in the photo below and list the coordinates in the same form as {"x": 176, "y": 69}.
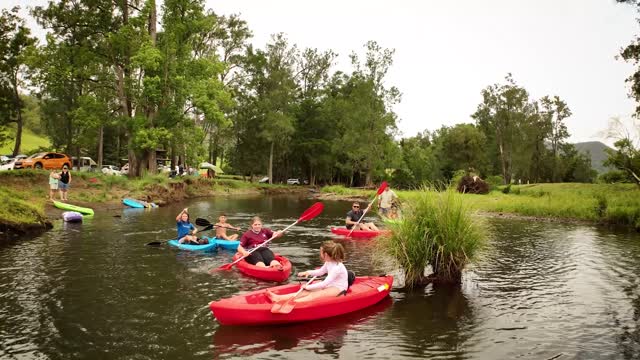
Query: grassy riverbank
{"x": 26, "y": 192}
{"x": 604, "y": 203}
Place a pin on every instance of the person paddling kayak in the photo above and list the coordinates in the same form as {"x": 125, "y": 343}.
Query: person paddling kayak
{"x": 254, "y": 237}
{"x": 354, "y": 215}
{"x": 186, "y": 230}
{"x": 221, "y": 229}
{"x": 336, "y": 282}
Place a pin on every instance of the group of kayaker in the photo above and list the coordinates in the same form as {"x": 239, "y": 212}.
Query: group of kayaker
{"x": 252, "y": 249}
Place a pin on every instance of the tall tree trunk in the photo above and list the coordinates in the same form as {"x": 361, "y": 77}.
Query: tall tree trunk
{"x": 100, "y": 146}
{"x": 18, "y": 107}
{"x": 270, "y": 170}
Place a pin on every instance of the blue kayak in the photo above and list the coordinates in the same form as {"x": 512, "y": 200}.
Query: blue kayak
{"x": 211, "y": 246}
{"x": 222, "y": 243}
{"x": 137, "y": 204}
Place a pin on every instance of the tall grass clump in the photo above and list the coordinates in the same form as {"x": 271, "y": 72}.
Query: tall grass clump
{"x": 438, "y": 229}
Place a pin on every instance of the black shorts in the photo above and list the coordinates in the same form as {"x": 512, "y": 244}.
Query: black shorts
{"x": 262, "y": 254}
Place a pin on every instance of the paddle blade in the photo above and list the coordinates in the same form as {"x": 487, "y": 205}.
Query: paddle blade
{"x": 383, "y": 186}
{"x": 223, "y": 267}
{"x": 285, "y": 308}
{"x": 313, "y": 211}
{"x": 202, "y": 222}
{"x": 154, "y": 243}
{"x": 209, "y": 227}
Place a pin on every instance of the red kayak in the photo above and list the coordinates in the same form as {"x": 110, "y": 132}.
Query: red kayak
{"x": 265, "y": 273}
{"x": 359, "y": 233}
{"x": 254, "y": 308}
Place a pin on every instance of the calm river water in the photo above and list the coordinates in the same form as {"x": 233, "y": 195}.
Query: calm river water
{"x": 95, "y": 291}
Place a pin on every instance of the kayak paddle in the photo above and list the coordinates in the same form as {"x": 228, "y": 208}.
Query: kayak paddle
{"x": 286, "y": 306}
{"x": 383, "y": 186}
{"x": 313, "y": 211}
{"x": 205, "y": 222}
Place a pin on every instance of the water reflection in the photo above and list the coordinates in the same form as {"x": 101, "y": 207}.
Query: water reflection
{"x": 94, "y": 290}
{"x": 324, "y": 337}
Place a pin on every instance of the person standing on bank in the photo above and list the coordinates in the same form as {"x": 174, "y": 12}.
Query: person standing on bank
{"x": 64, "y": 182}
{"x": 385, "y": 201}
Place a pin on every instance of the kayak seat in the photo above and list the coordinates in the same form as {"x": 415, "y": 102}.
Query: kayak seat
{"x": 351, "y": 278}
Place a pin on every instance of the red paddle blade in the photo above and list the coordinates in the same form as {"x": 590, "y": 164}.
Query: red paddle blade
{"x": 223, "y": 267}
{"x": 383, "y": 186}
{"x": 312, "y": 212}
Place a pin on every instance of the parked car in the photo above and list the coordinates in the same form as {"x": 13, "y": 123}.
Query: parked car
{"x": 125, "y": 169}
{"x": 86, "y": 163}
{"x": 264, "y": 180}
{"x": 44, "y": 160}
{"x": 8, "y": 166}
{"x": 110, "y": 170}
{"x": 293, "y": 181}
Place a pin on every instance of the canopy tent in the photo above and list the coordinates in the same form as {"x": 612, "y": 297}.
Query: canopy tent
{"x": 209, "y": 166}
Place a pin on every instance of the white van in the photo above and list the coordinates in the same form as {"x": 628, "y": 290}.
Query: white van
{"x": 86, "y": 164}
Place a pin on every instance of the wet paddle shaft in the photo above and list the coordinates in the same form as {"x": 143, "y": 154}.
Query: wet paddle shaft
{"x": 309, "y": 214}
{"x": 383, "y": 186}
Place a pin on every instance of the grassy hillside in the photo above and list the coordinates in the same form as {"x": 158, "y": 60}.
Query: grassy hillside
{"x": 30, "y": 142}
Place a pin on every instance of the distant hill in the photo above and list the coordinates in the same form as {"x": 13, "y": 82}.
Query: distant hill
{"x": 598, "y": 155}
{"x": 30, "y": 141}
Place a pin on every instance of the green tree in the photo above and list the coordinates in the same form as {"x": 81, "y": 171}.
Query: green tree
{"x": 461, "y": 147}
{"x": 15, "y": 41}
{"x": 503, "y": 110}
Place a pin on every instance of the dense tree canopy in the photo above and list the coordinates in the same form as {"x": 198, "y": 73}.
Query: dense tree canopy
{"x": 178, "y": 84}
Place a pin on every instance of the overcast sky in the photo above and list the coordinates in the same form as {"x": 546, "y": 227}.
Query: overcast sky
{"x": 448, "y": 51}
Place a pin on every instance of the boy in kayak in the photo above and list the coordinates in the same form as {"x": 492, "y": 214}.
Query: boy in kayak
{"x": 334, "y": 284}
{"x": 186, "y": 230}
{"x": 252, "y": 238}
{"x": 221, "y": 228}
{"x": 354, "y": 215}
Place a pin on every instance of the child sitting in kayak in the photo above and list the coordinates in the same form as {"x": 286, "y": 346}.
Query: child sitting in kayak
{"x": 336, "y": 282}
{"x": 186, "y": 230}
{"x": 221, "y": 228}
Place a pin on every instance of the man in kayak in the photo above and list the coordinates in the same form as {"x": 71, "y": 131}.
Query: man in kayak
{"x": 186, "y": 230}
{"x": 252, "y": 238}
{"x": 354, "y": 215}
{"x": 221, "y": 229}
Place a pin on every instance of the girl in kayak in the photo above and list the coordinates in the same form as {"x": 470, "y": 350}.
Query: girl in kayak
{"x": 186, "y": 230}
{"x": 334, "y": 284}
{"x": 254, "y": 237}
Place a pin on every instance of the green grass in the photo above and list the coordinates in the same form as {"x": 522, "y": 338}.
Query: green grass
{"x": 30, "y": 142}
{"x": 605, "y": 203}
{"x": 438, "y": 229}
{"x": 19, "y": 208}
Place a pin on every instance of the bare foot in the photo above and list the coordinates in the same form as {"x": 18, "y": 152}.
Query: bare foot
{"x": 271, "y": 296}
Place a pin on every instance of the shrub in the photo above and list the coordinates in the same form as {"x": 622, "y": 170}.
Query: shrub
{"x": 438, "y": 230}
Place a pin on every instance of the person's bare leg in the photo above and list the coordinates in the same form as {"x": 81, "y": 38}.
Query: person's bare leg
{"x": 276, "y": 264}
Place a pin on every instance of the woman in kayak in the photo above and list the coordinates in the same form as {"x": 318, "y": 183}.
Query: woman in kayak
{"x": 186, "y": 230}
{"x": 254, "y": 237}
{"x": 334, "y": 284}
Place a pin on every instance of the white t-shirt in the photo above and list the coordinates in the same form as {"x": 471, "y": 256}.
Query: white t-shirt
{"x": 386, "y": 198}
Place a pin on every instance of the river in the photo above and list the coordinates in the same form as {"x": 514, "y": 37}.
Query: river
{"x": 539, "y": 290}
